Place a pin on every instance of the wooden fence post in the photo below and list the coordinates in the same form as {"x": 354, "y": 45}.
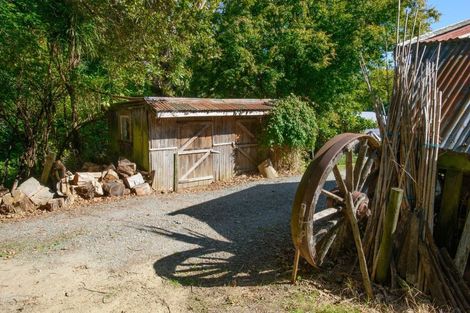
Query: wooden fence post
{"x": 47, "y": 167}
{"x": 389, "y": 226}
{"x": 176, "y": 171}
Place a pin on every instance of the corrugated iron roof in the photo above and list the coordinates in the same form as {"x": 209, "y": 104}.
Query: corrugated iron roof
{"x": 169, "y": 104}
{"x": 454, "y": 82}
{"x": 454, "y": 31}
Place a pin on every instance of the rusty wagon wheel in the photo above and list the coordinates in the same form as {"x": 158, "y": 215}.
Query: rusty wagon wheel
{"x": 319, "y": 201}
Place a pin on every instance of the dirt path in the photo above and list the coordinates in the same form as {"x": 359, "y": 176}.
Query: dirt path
{"x": 139, "y": 254}
{"x": 227, "y": 250}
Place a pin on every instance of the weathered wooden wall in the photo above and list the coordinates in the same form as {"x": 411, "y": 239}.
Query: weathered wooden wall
{"x": 137, "y": 149}
{"x": 193, "y": 138}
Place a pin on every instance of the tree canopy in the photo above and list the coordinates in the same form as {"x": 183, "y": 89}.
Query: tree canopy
{"x": 62, "y": 61}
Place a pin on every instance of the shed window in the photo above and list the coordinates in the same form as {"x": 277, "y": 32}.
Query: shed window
{"x": 125, "y": 126}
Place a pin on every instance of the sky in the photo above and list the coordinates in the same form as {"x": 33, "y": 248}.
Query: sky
{"x": 452, "y": 11}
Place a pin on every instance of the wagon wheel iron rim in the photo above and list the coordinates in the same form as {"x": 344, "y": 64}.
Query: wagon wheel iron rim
{"x": 314, "y": 228}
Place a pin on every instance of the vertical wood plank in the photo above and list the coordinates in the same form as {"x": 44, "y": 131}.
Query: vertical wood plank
{"x": 448, "y": 216}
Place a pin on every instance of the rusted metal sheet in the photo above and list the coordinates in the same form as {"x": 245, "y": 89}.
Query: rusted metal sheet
{"x": 454, "y": 31}
{"x": 162, "y": 104}
{"x": 454, "y": 83}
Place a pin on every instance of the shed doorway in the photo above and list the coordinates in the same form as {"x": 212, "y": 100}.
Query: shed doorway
{"x": 194, "y": 164}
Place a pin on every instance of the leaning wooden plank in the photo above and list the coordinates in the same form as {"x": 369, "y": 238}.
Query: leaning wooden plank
{"x": 411, "y": 273}
{"x": 388, "y": 233}
{"x": 437, "y": 291}
{"x": 446, "y": 265}
{"x": 47, "y": 167}
{"x": 463, "y": 250}
{"x": 461, "y": 287}
{"x": 358, "y": 241}
{"x": 434, "y": 257}
{"x": 448, "y": 216}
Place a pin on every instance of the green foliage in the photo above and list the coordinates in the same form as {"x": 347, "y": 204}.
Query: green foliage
{"x": 291, "y": 123}
{"x": 331, "y": 124}
{"x": 60, "y": 62}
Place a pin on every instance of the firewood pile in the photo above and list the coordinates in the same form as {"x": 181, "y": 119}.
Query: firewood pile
{"x": 91, "y": 181}
{"x": 398, "y": 240}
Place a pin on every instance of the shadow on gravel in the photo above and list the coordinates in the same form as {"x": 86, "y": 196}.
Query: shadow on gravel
{"x": 257, "y": 249}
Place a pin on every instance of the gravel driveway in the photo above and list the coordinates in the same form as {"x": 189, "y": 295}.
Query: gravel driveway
{"x": 138, "y": 254}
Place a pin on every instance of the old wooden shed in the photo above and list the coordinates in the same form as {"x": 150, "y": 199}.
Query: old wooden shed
{"x": 189, "y": 141}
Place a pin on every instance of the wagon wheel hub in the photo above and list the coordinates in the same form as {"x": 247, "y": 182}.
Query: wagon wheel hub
{"x": 361, "y": 204}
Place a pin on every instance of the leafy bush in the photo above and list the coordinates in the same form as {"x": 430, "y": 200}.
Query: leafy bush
{"x": 292, "y": 124}
{"x": 289, "y": 132}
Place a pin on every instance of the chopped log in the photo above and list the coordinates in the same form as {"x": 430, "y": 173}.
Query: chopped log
{"x": 30, "y": 187}
{"x": 42, "y": 197}
{"x": 350, "y": 214}
{"x": 63, "y": 188}
{"x": 110, "y": 175}
{"x": 59, "y": 170}
{"x": 84, "y": 177}
{"x": 114, "y": 188}
{"x": 53, "y": 205}
{"x": 37, "y": 193}
{"x": 86, "y": 190}
{"x": 8, "y": 199}
{"x": 17, "y": 202}
{"x": 134, "y": 180}
{"x": 126, "y": 168}
{"x": 267, "y": 170}
{"x": 463, "y": 249}
{"x": 47, "y": 167}
{"x": 142, "y": 189}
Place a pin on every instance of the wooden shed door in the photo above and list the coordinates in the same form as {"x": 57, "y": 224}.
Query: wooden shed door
{"x": 246, "y": 145}
{"x": 194, "y": 153}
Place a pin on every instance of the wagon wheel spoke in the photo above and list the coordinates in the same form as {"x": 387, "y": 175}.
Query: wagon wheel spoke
{"x": 331, "y": 195}
{"x": 339, "y": 180}
{"x": 365, "y": 172}
{"x": 349, "y": 170}
{"x": 360, "y": 162}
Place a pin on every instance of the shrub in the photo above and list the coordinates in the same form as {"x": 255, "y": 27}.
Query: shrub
{"x": 290, "y": 130}
{"x": 292, "y": 124}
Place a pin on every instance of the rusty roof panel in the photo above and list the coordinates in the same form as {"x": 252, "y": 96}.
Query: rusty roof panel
{"x": 167, "y": 104}
{"x": 454, "y": 83}
{"x": 454, "y": 31}
{"x": 461, "y": 32}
